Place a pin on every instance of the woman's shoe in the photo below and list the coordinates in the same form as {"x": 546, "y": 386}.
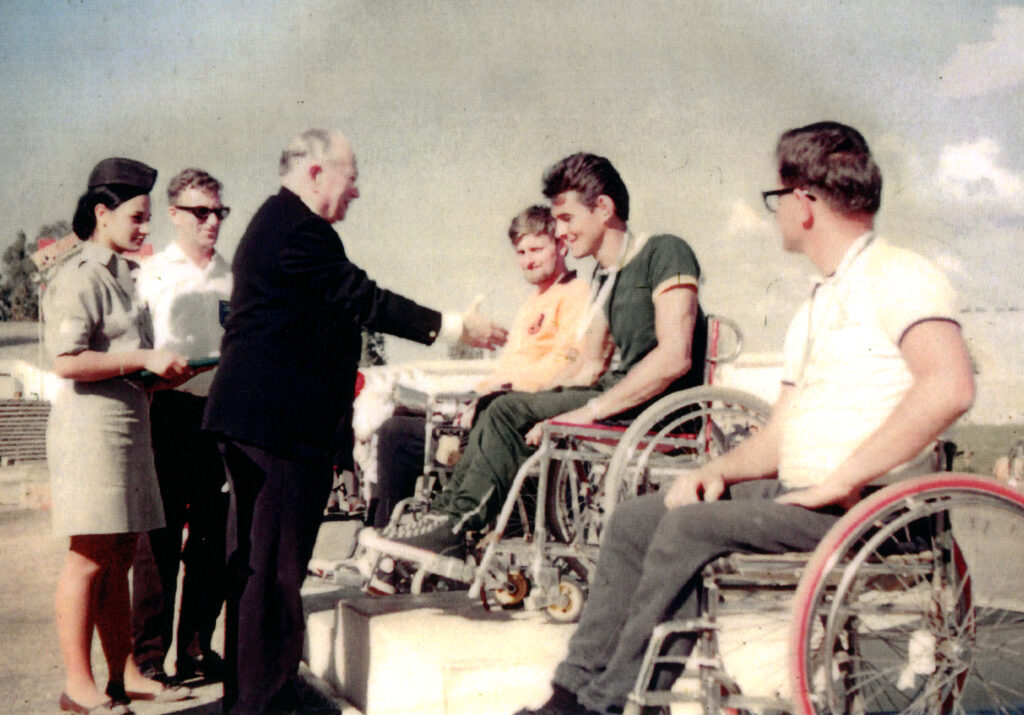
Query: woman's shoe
{"x": 108, "y": 708}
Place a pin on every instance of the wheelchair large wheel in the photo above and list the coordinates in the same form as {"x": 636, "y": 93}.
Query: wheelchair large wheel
{"x": 914, "y": 603}
{"x": 572, "y": 505}
{"x": 681, "y": 431}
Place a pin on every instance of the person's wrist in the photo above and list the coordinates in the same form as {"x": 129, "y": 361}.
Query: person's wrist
{"x": 593, "y": 409}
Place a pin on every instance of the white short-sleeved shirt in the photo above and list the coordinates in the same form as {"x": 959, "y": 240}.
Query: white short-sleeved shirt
{"x": 842, "y": 353}
{"x": 187, "y": 304}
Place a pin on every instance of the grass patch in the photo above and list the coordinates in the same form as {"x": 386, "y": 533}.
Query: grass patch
{"x": 981, "y": 445}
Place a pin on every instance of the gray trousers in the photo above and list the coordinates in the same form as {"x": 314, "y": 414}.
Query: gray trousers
{"x": 649, "y": 570}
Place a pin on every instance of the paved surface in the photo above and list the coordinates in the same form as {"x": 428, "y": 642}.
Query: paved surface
{"x": 31, "y": 672}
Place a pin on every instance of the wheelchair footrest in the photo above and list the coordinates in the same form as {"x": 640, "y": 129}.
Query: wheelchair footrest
{"x": 446, "y": 566}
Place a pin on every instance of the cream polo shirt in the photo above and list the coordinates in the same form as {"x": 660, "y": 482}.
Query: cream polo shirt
{"x": 842, "y": 354}
{"x": 187, "y": 304}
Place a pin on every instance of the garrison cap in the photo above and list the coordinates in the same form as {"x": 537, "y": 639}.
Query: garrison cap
{"x": 126, "y": 172}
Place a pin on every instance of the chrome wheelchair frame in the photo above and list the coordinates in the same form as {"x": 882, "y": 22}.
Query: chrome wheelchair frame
{"x": 907, "y": 605}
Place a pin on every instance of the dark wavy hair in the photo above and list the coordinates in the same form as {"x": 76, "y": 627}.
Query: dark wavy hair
{"x": 590, "y": 176}
{"x": 109, "y": 195}
{"x": 835, "y": 162}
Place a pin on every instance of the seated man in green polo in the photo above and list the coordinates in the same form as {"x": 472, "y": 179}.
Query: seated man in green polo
{"x": 646, "y": 290}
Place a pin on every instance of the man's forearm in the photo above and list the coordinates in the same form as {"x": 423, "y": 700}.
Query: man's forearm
{"x": 918, "y": 420}
{"x": 648, "y": 378}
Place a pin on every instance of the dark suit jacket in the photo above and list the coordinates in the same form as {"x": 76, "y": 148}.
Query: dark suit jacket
{"x": 292, "y": 340}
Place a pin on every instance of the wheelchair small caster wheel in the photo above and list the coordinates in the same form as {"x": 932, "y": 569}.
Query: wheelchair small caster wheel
{"x": 568, "y": 604}
{"x": 510, "y": 594}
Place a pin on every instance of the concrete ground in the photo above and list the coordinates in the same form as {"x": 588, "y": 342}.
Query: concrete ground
{"x": 31, "y": 673}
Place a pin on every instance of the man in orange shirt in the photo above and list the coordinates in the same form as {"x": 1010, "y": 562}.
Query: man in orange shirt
{"x": 552, "y": 343}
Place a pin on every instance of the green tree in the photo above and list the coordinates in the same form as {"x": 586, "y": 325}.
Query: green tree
{"x": 19, "y": 296}
{"x": 58, "y": 229}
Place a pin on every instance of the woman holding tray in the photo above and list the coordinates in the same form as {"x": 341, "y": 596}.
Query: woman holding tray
{"x": 100, "y": 457}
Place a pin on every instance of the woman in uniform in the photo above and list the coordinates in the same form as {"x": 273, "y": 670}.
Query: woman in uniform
{"x": 105, "y": 489}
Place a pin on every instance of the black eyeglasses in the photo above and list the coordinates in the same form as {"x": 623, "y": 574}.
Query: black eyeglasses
{"x": 771, "y": 198}
{"x": 203, "y": 212}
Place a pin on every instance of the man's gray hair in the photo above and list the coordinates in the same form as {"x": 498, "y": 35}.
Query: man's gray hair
{"x": 315, "y": 143}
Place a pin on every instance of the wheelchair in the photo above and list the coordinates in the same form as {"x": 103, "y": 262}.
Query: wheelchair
{"x": 543, "y": 546}
{"x": 912, "y": 603}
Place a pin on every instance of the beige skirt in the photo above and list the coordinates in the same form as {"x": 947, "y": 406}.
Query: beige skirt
{"x": 101, "y": 459}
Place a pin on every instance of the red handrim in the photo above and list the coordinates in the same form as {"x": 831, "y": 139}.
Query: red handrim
{"x": 824, "y": 557}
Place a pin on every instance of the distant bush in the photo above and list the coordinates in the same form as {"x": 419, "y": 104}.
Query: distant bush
{"x": 19, "y": 296}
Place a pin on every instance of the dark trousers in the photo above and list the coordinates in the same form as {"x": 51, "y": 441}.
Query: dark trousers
{"x": 400, "y": 446}
{"x": 275, "y": 512}
{"x": 649, "y": 570}
{"x": 191, "y": 476}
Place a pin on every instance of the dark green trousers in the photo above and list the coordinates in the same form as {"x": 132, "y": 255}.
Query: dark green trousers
{"x": 496, "y": 449}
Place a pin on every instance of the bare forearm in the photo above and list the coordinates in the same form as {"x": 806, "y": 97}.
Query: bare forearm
{"x": 927, "y": 409}
{"x": 91, "y": 366}
{"x": 943, "y": 389}
{"x": 756, "y": 457}
{"x": 648, "y": 378}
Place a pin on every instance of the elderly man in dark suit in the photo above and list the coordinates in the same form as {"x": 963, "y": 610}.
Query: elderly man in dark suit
{"x": 286, "y": 381}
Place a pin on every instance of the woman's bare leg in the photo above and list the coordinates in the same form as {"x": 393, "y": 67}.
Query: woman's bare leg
{"x": 74, "y": 605}
{"x": 113, "y": 607}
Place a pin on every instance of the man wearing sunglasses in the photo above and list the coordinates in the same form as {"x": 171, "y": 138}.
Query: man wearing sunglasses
{"x": 187, "y": 287}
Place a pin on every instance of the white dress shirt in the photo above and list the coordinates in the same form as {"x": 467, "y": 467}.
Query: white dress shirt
{"x": 187, "y": 304}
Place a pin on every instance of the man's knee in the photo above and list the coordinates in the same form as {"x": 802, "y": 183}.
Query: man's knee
{"x": 635, "y": 517}
{"x": 503, "y": 408}
{"x": 396, "y": 429}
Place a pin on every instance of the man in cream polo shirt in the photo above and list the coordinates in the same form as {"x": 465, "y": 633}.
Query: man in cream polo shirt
{"x": 875, "y": 370}
{"x": 187, "y": 287}
{"x": 853, "y": 326}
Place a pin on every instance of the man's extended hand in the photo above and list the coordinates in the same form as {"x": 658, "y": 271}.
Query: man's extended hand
{"x": 692, "y": 487}
{"x": 480, "y": 332}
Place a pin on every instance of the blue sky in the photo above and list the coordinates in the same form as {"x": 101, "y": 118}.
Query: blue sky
{"x": 455, "y": 109}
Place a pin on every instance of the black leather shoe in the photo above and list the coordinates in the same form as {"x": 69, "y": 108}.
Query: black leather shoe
{"x": 116, "y": 693}
{"x": 209, "y": 667}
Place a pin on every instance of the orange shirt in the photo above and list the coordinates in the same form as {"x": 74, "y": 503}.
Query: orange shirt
{"x": 543, "y": 338}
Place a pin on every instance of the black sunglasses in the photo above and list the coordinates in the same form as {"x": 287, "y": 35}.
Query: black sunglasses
{"x": 203, "y": 212}
{"x": 771, "y": 198}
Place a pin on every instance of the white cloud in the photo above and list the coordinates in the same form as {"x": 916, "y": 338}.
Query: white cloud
{"x": 988, "y": 66}
{"x": 970, "y": 172}
{"x": 744, "y": 221}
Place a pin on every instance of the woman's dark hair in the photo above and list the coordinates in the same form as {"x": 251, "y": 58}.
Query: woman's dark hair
{"x": 109, "y": 195}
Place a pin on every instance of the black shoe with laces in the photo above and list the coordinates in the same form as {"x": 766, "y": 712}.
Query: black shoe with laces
{"x": 431, "y": 532}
